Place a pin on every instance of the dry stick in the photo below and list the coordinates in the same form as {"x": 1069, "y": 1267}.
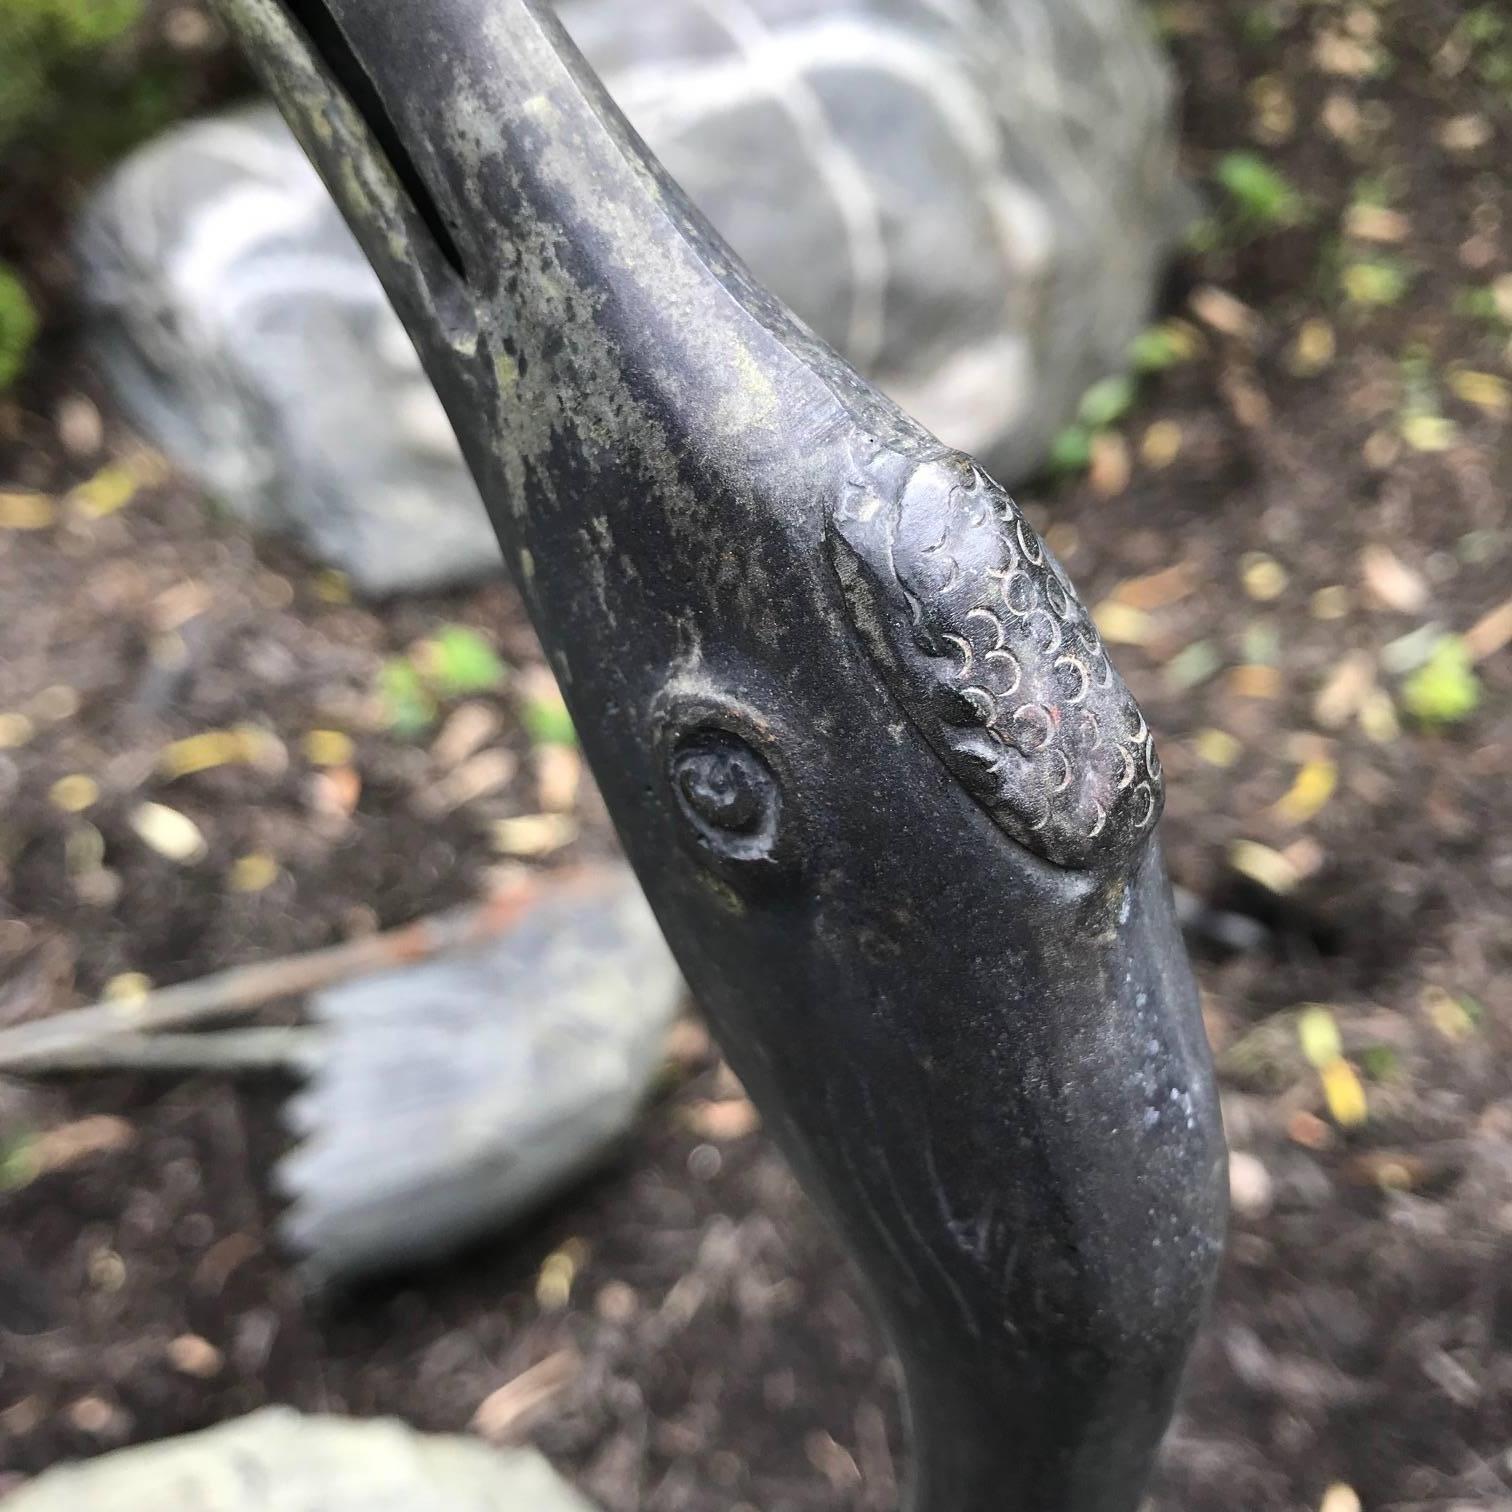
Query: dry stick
{"x": 229, "y": 1052}
{"x": 52, "y": 1042}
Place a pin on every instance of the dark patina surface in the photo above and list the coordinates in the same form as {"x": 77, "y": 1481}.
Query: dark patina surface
{"x": 922, "y": 906}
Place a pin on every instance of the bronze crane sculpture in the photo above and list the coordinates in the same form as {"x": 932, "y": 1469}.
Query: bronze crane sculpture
{"x": 894, "y": 809}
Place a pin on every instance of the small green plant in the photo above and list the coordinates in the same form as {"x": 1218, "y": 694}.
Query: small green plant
{"x": 1263, "y": 198}
{"x": 1445, "y": 689}
{"x": 547, "y": 721}
{"x": 39, "y": 40}
{"x": 18, "y": 327}
{"x": 1105, "y": 403}
{"x": 1376, "y": 282}
{"x": 452, "y": 663}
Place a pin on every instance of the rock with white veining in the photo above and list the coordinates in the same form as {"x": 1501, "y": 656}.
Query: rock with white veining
{"x": 971, "y": 199}
{"x": 278, "y": 1460}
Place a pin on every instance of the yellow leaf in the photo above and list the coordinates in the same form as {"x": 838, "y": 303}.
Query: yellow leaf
{"x": 253, "y": 872}
{"x": 1162, "y": 444}
{"x": 1429, "y": 433}
{"x": 1344, "y": 1093}
{"x": 1447, "y": 1014}
{"x": 534, "y": 834}
{"x": 1120, "y": 625}
{"x": 26, "y": 510}
{"x": 74, "y": 793}
{"x": 127, "y": 987}
{"x": 1263, "y": 865}
{"x": 112, "y": 488}
{"x": 1218, "y": 748}
{"x": 332, "y": 587}
{"x": 1263, "y": 576}
{"x": 1318, "y": 1034}
{"x": 1313, "y": 787}
{"x": 1255, "y": 681}
{"x": 328, "y": 748}
{"x": 1313, "y": 349}
{"x": 1484, "y": 390}
{"x": 15, "y": 730}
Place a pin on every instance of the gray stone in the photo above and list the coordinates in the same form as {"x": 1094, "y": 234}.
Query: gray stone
{"x": 971, "y": 201}
{"x": 277, "y": 1460}
{"x": 458, "y": 1094}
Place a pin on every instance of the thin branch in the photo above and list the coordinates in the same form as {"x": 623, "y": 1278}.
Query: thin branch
{"x": 295, "y": 1048}
{"x": 49, "y": 1042}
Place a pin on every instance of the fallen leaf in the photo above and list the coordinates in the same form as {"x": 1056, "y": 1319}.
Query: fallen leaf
{"x": 1330, "y": 603}
{"x": 733, "y": 1118}
{"x": 1390, "y": 1170}
{"x": 1486, "y": 391}
{"x": 559, "y": 775}
{"x": 253, "y": 873}
{"x": 558, "y": 1272}
{"x": 1218, "y": 748}
{"x": 1263, "y": 865}
{"x": 479, "y": 776}
{"x": 206, "y": 751}
{"x": 1344, "y": 1093}
{"x": 328, "y": 748}
{"x": 1122, "y": 625}
{"x": 503, "y": 1411}
{"x": 534, "y": 834}
{"x": 1224, "y": 313}
{"x": 100, "y": 1134}
{"x": 1318, "y": 1034}
{"x": 1393, "y": 583}
{"x": 1465, "y": 133}
{"x": 1309, "y": 793}
{"x": 170, "y": 833}
{"x": 191, "y": 1355}
{"x": 110, "y": 489}
{"x": 1339, "y": 698}
{"x": 1313, "y": 349}
{"x": 1448, "y": 1014}
{"x": 74, "y": 793}
{"x": 1191, "y": 666}
{"x": 1156, "y": 589}
{"x": 1254, "y": 682}
{"x": 1336, "y": 53}
{"x": 1488, "y": 635}
{"x": 1340, "y": 1498}
{"x": 1445, "y": 689}
{"x": 469, "y": 728}
{"x": 1161, "y": 445}
{"x": 1264, "y": 578}
{"x": 1375, "y": 223}
{"x": 15, "y": 730}
{"x": 1378, "y": 717}
{"x": 24, "y": 509}
{"x": 337, "y": 791}
{"x": 1109, "y": 468}
{"x": 1309, "y": 1131}
{"x": 1429, "y": 433}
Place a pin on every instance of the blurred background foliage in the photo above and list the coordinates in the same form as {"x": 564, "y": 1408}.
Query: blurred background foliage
{"x": 81, "y": 83}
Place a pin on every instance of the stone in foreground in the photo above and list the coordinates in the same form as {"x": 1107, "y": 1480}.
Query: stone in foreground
{"x": 278, "y": 1460}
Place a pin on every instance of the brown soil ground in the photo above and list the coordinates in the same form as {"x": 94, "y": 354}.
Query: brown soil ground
{"x": 1317, "y": 480}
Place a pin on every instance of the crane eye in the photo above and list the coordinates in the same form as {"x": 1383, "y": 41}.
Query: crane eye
{"x": 727, "y": 790}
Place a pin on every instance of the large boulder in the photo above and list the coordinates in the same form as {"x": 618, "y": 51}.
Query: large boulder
{"x": 971, "y": 201}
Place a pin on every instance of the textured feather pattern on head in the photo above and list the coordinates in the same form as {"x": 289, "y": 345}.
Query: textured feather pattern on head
{"x": 986, "y": 645}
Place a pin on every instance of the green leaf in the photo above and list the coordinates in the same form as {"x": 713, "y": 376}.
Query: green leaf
{"x": 1106, "y": 402}
{"x": 1376, "y": 281}
{"x": 409, "y": 708}
{"x": 1262, "y": 194}
{"x": 547, "y": 721}
{"x": 457, "y": 660}
{"x": 1445, "y": 689}
{"x": 1071, "y": 451}
{"x": 1160, "y": 347}
{"x": 18, "y": 327}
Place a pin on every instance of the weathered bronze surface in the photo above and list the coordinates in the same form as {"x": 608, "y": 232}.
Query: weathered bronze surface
{"x": 892, "y": 807}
